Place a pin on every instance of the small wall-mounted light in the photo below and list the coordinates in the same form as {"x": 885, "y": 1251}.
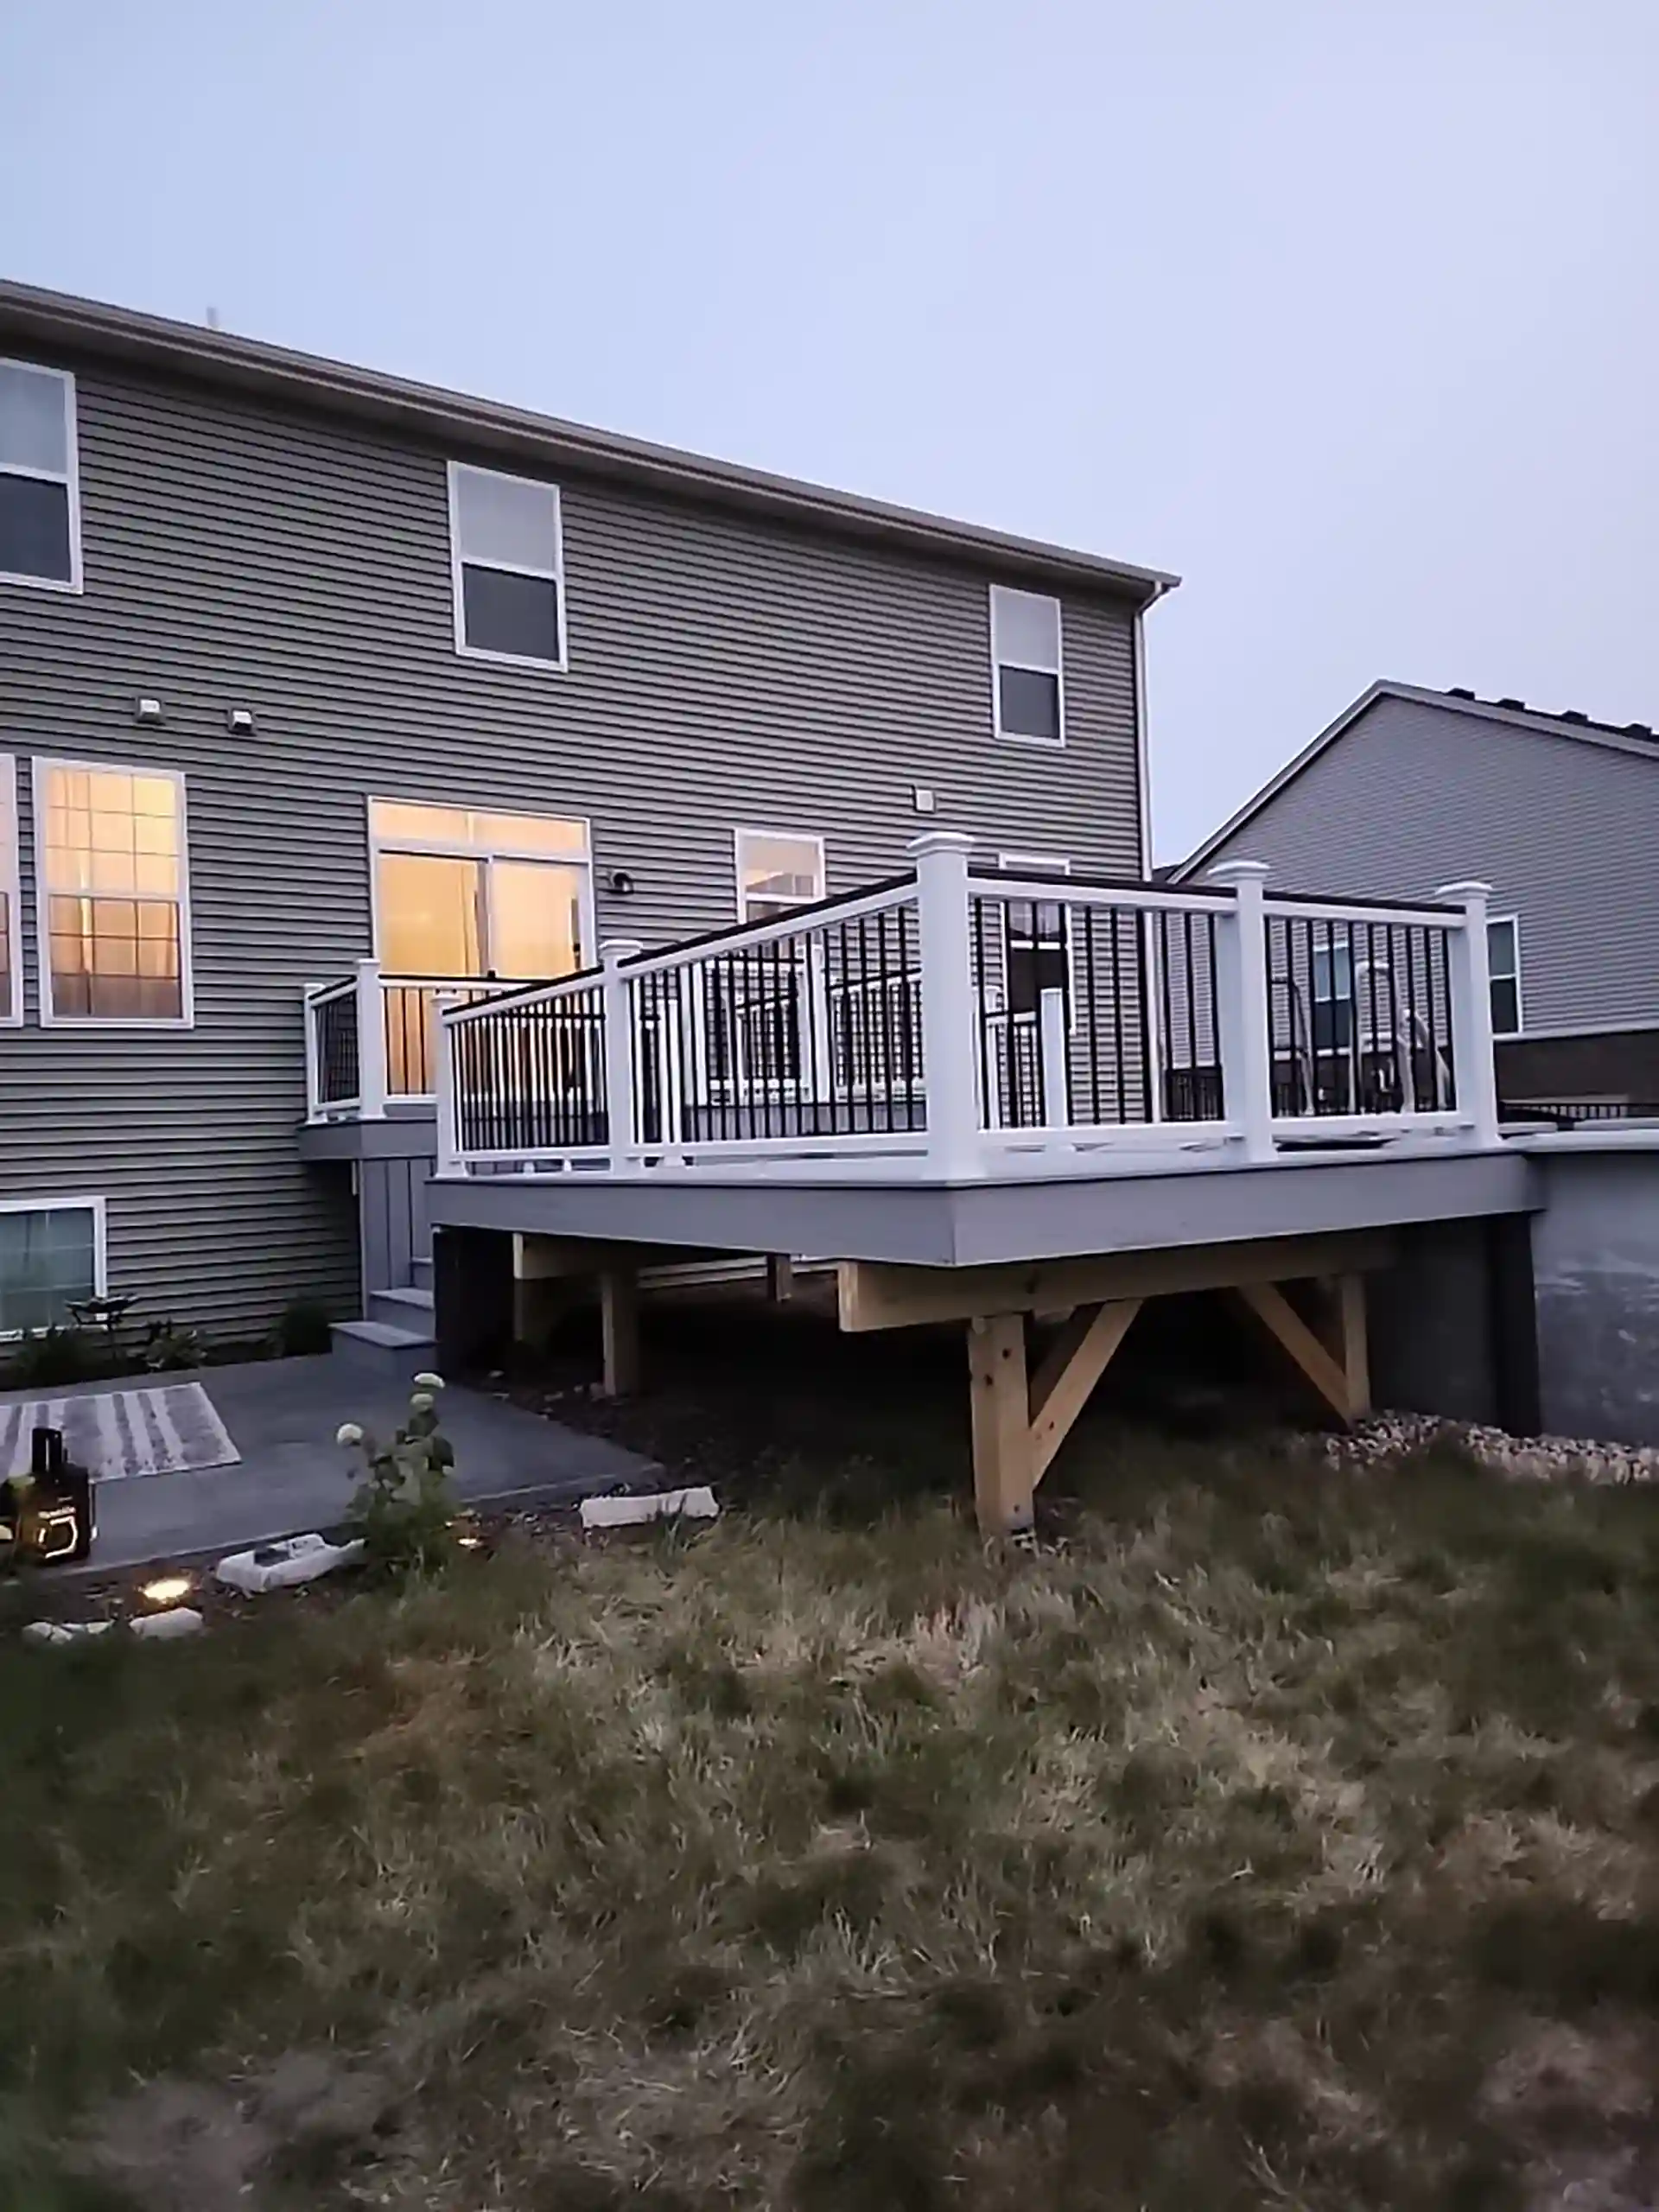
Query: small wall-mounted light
{"x": 620, "y": 883}
{"x": 240, "y": 720}
{"x": 922, "y": 798}
{"x": 147, "y": 711}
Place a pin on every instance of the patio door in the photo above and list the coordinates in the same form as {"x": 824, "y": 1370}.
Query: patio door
{"x": 464, "y": 896}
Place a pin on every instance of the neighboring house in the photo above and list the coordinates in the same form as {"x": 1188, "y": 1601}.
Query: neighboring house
{"x": 1409, "y": 789}
{"x": 301, "y": 664}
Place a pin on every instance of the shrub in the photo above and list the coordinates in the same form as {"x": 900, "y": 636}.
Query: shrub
{"x": 302, "y": 1331}
{"x": 167, "y": 1345}
{"x": 48, "y": 1358}
{"x": 403, "y": 1508}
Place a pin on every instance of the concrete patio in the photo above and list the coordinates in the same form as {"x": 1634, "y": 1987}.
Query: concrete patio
{"x": 282, "y": 1416}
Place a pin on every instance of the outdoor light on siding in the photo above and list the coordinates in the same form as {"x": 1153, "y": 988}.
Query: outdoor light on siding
{"x": 147, "y": 711}
{"x": 240, "y": 722}
{"x": 619, "y": 882}
{"x": 922, "y": 798}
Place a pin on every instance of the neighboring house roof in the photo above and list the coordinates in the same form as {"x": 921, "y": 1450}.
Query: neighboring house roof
{"x": 30, "y": 316}
{"x": 1625, "y": 737}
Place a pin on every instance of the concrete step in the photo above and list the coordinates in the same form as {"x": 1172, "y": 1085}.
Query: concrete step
{"x": 403, "y": 1309}
{"x": 421, "y": 1270}
{"x": 378, "y": 1349}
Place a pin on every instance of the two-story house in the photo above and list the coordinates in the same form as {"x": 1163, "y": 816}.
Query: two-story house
{"x": 301, "y": 665}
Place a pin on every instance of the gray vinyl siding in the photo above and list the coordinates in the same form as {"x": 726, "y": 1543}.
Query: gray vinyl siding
{"x": 724, "y": 672}
{"x": 1411, "y": 797}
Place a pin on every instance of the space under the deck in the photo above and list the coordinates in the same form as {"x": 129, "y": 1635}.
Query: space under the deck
{"x": 854, "y": 1209}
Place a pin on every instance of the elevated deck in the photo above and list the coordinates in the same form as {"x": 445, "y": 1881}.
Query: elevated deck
{"x": 985, "y": 1095}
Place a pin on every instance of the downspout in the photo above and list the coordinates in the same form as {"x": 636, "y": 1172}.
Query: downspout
{"x": 1143, "y": 742}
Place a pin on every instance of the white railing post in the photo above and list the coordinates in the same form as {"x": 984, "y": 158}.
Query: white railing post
{"x": 1242, "y": 1028}
{"x": 619, "y": 1048}
{"x": 1474, "y": 1065}
{"x": 948, "y": 1010}
{"x": 371, "y": 1043}
{"x": 313, "y": 1072}
{"x": 444, "y": 1092}
{"x": 1056, "y": 1057}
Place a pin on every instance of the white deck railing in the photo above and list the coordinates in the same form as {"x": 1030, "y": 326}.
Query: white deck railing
{"x": 961, "y": 1018}
{"x": 371, "y": 1041}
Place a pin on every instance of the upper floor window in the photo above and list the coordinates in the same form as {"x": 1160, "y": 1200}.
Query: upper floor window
{"x": 459, "y": 893}
{"x": 112, "y": 893}
{"x": 1029, "y": 692}
{"x": 11, "y": 960}
{"x": 775, "y": 872}
{"x": 39, "y": 496}
{"x": 1504, "y": 966}
{"x": 508, "y": 557}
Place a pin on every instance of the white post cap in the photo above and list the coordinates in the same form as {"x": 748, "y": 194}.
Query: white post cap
{"x": 941, "y": 841}
{"x": 1473, "y": 889}
{"x": 1238, "y": 872}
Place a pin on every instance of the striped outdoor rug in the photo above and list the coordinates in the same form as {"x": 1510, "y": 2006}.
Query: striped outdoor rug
{"x": 164, "y": 1428}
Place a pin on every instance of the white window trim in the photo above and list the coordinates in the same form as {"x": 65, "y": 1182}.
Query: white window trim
{"x": 70, "y": 480}
{"x": 1042, "y": 864}
{"x": 95, "y": 1206}
{"x": 11, "y": 884}
{"x": 791, "y": 837}
{"x": 998, "y": 662}
{"x": 449, "y": 849}
{"x": 40, "y": 766}
{"x": 1514, "y": 920}
{"x": 556, "y": 575}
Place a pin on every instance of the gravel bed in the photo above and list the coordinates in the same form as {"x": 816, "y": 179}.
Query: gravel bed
{"x": 1388, "y": 1437}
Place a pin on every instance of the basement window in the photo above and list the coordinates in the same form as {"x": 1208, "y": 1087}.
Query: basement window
{"x": 40, "y": 487}
{"x": 507, "y": 563}
{"x": 52, "y": 1256}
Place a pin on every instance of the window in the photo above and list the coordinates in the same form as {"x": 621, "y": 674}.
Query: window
{"x": 775, "y": 872}
{"x": 114, "y": 905}
{"x": 1029, "y": 693}
{"x": 461, "y": 893}
{"x": 1504, "y": 964}
{"x": 508, "y": 557}
{"x": 51, "y": 1256}
{"x": 11, "y": 959}
{"x": 40, "y": 493}
{"x": 1037, "y": 941}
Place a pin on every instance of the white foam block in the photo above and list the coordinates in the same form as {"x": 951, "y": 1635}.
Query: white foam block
{"x": 64, "y": 1631}
{"x": 277, "y": 1566}
{"x": 162, "y": 1628}
{"x": 697, "y": 1504}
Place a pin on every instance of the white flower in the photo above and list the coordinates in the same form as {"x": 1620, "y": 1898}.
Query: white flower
{"x": 349, "y": 1433}
{"x": 429, "y": 1382}
{"x": 422, "y": 1402}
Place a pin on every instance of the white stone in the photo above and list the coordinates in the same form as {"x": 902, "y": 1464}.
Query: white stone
{"x": 277, "y": 1566}
{"x": 64, "y": 1631}
{"x": 695, "y": 1504}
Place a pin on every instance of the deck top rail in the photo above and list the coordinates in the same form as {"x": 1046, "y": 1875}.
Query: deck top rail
{"x": 957, "y": 1016}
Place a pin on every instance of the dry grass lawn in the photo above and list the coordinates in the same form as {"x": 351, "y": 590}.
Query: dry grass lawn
{"x": 1280, "y": 1838}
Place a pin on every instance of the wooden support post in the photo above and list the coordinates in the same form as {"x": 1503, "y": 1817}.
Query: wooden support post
{"x": 619, "y": 1313}
{"x": 1075, "y": 1362}
{"x": 1356, "y": 1356}
{"x": 1286, "y": 1325}
{"x": 1002, "y": 1411}
{"x": 781, "y": 1278}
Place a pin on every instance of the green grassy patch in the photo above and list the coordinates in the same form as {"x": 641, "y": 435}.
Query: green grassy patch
{"x": 1282, "y": 1838}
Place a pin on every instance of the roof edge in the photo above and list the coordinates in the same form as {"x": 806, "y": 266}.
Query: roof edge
{"x": 217, "y": 357}
{"x": 1539, "y": 724}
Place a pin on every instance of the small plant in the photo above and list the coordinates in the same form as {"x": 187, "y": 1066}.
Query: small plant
{"x": 403, "y": 1508}
{"x": 47, "y": 1357}
{"x": 167, "y": 1345}
{"x": 302, "y": 1331}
